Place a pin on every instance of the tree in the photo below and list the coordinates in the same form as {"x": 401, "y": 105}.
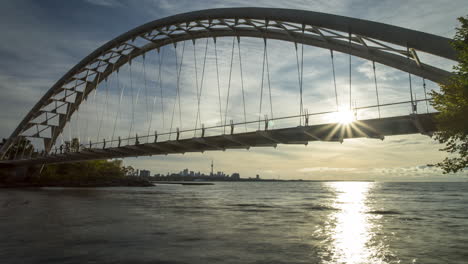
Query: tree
{"x": 452, "y": 104}
{"x": 128, "y": 171}
{"x": 21, "y": 148}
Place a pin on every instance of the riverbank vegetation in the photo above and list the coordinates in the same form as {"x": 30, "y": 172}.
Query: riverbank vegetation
{"x": 98, "y": 173}
{"x": 452, "y": 105}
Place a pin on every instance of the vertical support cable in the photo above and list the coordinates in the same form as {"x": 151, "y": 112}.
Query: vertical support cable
{"x": 83, "y": 99}
{"x": 161, "y": 57}
{"x": 217, "y": 77}
{"x": 78, "y": 114}
{"x": 242, "y": 82}
{"x": 268, "y": 77}
{"x": 146, "y": 93}
{"x": 198, "y": 118}
{"x": 425, "y": 95}
{"x": 88, "y": 137}
{"x": 299, "y": 77}
{"x": 69, "y": 126}
{"x": 334, "y": 79}
{"x": 177, "y": 99}
{"x": 178, "y": 84}
{"x": 376, "y": 90}
{"x": 302, "y": 76}
{"x": 133, "y": 102}
{"x": 95, "y": 105}
{"x": 261, "y": 86}
{"x": 196, "y": 81}
{"x": 103, "y": 110}
{"x": 158, "y": 82}
{"x": 350, "y": 87}
{"x": 413, "y": 106}
{"x": 177, "y": 90}
{"x": 411, "y": 92}
{"x": 117, "y": 114}
{"x": 229, "y": 87}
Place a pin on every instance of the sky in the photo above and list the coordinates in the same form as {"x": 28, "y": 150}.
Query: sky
{"x": 44, "y": 39}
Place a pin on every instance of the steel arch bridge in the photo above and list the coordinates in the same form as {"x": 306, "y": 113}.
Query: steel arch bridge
{"x": 388, "y": 45}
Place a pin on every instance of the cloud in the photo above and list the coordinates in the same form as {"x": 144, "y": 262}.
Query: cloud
{"x": 106, "y": 3}
{"x": 326, "y": 169}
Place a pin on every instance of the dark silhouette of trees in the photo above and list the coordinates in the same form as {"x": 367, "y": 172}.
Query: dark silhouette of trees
{"x": 21, "y": 148}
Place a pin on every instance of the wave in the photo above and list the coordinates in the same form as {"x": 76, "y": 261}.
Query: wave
{"x": 411, "y": 219}
{"x": 318, "y": 207}
{"x": 251, "y": 205}
{"x": 384, "y": 212}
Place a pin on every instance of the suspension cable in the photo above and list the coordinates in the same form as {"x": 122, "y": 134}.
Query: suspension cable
{"x": 411, "y": 88}
{"x": 196, "y": 78}
{"x": 302, "y": 76}
{"x": 425, "y": 95}
{"x": 117, "y": 114}
{"x": 103, "y": 110}
{"x": 136, "y": 100}
{"x": 146, "y": 90}
{"x": 413, "y": 106}
{"x": 350, "y": 87}
{"x": 269, "y": 82}
{"x": 177, "y": 96}
{"x": 178, "y": 84}
{"x": 161, "y": 57}
{"x": 133, "y": 103}
{"x": 198, "y": 118}
{"x": 334, "y": 79}
{"x": 83, "y": 99}
{"x": 242, "y": 82}
{"x": 78, "y": 114}
{"x": 70, "y": 129}
{"x": 299, "y": 77}
{"x": 95, "y": 103}
{"x": 229, "y": 85}
{"x": 261, "y": 86}
{"x": 155, "y": 96}
{"x": 217, "y": 76}
{"x": 376, "y": 89}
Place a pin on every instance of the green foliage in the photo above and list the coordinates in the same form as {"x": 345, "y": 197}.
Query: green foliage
{"x": 22, "y": 147}
{"x": 452, "y": 103}
{"x": 98, "y": 170}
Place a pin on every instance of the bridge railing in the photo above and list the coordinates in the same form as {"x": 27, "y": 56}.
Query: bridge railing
{"x": 306, "y": 119}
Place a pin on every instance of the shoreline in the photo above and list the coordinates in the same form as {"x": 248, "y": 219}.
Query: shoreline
{"x": 122, "y": 182}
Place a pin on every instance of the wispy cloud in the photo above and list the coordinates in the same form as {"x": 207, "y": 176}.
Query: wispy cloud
{"x": 106, "y": 3}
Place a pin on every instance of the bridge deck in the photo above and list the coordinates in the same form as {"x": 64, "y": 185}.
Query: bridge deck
{"x": 371, "y": 128}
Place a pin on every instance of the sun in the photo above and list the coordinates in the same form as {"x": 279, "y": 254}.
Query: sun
{"x": 343, "y": 117}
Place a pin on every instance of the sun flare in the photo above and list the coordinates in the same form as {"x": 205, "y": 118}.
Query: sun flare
{"x": 343, "y": 117}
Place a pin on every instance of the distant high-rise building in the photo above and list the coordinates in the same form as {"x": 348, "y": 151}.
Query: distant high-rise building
{"x": 211, "y": 174}
{"x": 235, "y": 176}
{"x": 145, "y": 173}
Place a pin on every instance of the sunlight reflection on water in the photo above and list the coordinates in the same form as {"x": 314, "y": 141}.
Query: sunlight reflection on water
{"x": 352, "y": 232}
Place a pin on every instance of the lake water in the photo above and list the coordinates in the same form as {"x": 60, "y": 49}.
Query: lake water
{"x": 258, "y": 222}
